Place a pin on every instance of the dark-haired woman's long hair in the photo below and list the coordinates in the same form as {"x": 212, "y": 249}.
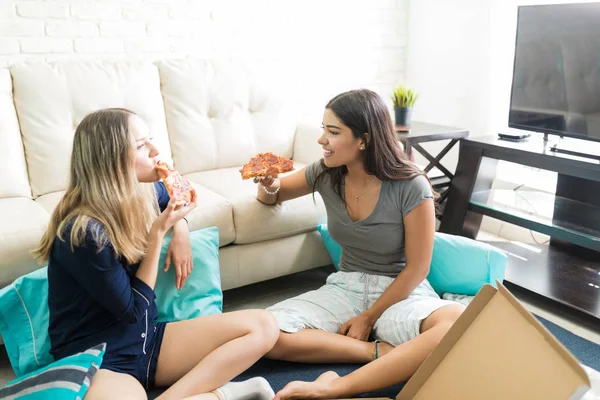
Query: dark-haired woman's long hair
{"x": 363, "y": 111}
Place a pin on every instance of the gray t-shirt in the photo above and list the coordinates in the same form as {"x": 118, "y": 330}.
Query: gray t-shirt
{"x": 375, "y": 244}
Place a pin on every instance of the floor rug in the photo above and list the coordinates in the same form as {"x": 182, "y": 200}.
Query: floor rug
{"x": 279, "y": 373}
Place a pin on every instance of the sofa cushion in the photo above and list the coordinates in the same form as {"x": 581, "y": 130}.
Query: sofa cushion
{"x": 50, "y": 201}
{"x": 212, "y": 210}
{"x": 245, "y": 264}
{"x": 22, "y": 226}
{"x": 52, "y": 98}
{"x": 254, "y": 221}
{"x": 220, "y": 114}
{"x": 12, "y": 158}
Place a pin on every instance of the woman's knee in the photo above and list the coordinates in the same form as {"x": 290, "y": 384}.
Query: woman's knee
{"x": 265, "y": 327}
{"x": 445, "y": 316}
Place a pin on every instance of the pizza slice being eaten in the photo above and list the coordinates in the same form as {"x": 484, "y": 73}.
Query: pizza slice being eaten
{"x": 264, "y": 164}
{"x": 177, "y": 186}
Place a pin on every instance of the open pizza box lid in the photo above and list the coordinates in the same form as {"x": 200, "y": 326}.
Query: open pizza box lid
{"x": 497, "y": 350}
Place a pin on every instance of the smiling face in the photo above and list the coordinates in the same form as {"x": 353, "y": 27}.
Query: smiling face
{"x": 338, "y": 142}
{"x": 144, "y": 150}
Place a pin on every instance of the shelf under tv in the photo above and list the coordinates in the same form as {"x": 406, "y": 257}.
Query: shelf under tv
{"x": 564, "y": 271}
{"x": 582, "y": 154}
{"x": 554, "y": 273}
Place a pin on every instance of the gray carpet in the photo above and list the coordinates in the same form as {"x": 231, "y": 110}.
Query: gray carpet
{"x": 279, "y": 373}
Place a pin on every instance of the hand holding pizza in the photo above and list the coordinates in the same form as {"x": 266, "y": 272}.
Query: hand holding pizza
{"x": 177, "y": 186}
{"x": 266, "y": 181}
{"x": 173, "y": 213}
{"x": 181, "y": 192}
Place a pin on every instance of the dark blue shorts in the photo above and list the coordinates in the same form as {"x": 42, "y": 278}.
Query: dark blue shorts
{"x": 141, "y": 366}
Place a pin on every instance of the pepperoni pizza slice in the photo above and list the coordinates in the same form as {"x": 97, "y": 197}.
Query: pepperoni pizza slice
{"x": 264, "y": 164}
{"x": 178, "y": 187}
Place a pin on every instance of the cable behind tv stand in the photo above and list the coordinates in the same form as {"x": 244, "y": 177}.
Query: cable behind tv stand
{"x": 565, "y": 271}
{"x": 554, "y": 148}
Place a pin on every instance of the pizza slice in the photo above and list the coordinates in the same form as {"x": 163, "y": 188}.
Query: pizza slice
{"x": 177, "y": 186}
{"x": 264, "y": 164}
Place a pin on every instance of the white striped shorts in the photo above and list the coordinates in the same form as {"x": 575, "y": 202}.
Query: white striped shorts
{"x": 348, "y": 294}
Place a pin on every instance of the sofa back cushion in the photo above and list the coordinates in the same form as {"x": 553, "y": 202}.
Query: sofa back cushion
{"x": 13, "y": 180}
{"x": 52, "y": 98}
{"x": 220, "y": 114}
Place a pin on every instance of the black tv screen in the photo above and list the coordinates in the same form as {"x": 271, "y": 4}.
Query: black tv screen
{"x": 556, "y": 73}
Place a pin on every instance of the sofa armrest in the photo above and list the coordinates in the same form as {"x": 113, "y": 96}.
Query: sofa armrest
{"x": 306, "y": 148}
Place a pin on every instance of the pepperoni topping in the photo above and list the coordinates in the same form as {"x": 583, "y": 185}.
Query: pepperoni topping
{"x": 273, "y": 171}
{"x": 272, "y": 159}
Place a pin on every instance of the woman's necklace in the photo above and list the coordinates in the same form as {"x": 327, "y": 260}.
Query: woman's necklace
{"x": 356, "y": 197}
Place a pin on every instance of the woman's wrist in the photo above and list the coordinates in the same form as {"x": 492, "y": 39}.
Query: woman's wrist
{"x": 156, "y": 233}
{"x": 272, "y": 190}
{"x": 371, "y": 315}
{"x": 181, "y": 225}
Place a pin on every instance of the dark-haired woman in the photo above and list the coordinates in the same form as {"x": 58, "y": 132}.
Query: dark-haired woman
{"x": 380, "y": 209}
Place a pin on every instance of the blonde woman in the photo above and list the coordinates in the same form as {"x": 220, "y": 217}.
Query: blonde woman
{"x": 380, "y": 208}
{"x": 102, "y": 246}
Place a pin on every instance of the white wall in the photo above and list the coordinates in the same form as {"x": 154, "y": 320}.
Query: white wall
{"x": 448, "y": 65}
{"x": 326, "y": 46}
{"x": 448, "y": 61}
{"x": 460, "y": 59}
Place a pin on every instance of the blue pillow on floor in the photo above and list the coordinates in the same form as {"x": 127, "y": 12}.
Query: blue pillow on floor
{"x": 66, "y": 379}
{"x": 24, "y": 314}
{"x": 24, "y": 322}
{"x": 459, "y": 265}
{"x": 202, "y": 294}
{"x": 334, "y": 249}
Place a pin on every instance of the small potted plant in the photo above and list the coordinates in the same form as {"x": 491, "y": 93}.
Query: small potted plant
{"x": 404, "y": 99}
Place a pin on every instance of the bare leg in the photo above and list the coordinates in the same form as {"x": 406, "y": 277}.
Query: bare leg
{"x": 113, "y": 385}
{"x": 204, "y": 396}
{"x": 397, "y": 366}
{"x": 200, "y": 355}
{"x": 315, "y": 346}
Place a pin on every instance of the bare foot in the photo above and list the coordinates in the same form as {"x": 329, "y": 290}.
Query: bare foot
{"x": 319, "y": 389}
{"x": 327, "y": 377}
{"x": 384, "y": 348}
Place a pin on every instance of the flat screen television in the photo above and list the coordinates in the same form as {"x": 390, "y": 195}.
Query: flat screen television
{"x": 556, "y": 71}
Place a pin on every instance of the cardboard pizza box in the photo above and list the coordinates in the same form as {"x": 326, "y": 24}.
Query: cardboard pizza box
{"x": 497, "y": 350}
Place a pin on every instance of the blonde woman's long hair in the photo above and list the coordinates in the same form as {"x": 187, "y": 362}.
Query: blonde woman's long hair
{"x": 104, "y": 197}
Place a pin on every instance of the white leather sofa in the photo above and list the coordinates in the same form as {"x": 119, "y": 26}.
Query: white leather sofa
{"x": 207, "y": 117}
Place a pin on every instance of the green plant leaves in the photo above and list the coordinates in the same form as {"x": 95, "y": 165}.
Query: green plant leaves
{"x": 403, "y": 97}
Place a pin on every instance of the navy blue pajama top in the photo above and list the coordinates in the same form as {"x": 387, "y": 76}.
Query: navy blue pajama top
{"x": 94, "y": 297}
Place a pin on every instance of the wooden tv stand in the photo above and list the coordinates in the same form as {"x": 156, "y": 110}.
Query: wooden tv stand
{"x": 567, "y": 270}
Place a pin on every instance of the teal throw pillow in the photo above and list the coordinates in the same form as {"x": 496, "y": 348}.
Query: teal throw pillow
{"x": 24, "y": 314}
{"x": 24, "y": 322}
{"x": 333, "y": 248}
{"x": 202, "y": 294}
{"x": 66, "y": 379}
{"x": 461, "y": 265}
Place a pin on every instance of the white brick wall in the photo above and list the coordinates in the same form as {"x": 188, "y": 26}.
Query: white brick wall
{"x": 326, "y": 46}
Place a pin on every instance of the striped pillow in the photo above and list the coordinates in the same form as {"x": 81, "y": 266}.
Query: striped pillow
{"x": 68, "y": 378}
